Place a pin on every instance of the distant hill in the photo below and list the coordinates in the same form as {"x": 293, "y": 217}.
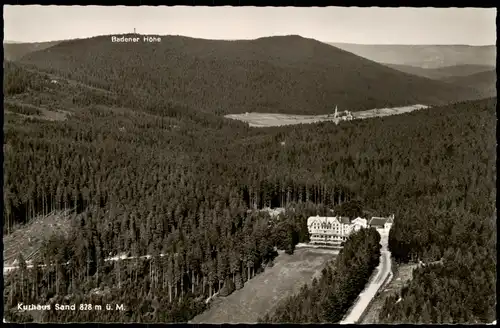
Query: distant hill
{"x": 286, "y": 74}
{"x": 15, "y": 50}
{"x": 479, "y": 77}
{"x": 425, "y": 56}
{"x": 443, "y": 72}
{"x": 485, "y": 82}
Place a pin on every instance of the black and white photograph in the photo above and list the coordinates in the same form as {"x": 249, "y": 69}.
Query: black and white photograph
{"x": 249, "y": 165}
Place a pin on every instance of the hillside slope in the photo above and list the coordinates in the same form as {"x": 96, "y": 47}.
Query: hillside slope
{"x": 149, "y": 184}
{"x": 288, "y": 74}
{"x": 15, "y": 51}
{"x": 426, "y": 56}
{"x": 485, "y": 82}
{"x": 442, "y": 72}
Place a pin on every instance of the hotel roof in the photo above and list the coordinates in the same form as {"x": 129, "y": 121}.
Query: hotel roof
{"x": 345, "y": 220}
{"x": 378, "y": 221}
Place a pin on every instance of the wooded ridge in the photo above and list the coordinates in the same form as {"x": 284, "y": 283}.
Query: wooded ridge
{"x": 149, "y": 176}
{"x": 282, "y": 74}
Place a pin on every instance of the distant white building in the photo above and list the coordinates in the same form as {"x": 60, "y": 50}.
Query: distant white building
{"x": 342, "y": 116}
{"x": 347, "y": 116}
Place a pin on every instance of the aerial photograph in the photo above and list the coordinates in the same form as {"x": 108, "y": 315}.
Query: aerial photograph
{"x": 249, "y": 165}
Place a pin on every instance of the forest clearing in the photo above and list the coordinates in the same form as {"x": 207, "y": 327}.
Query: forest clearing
{"x": 262, "y": 293}
{"x": 175, "y": 179}
{"x": 272, "y": 119}
{"x": 28, "y": 239}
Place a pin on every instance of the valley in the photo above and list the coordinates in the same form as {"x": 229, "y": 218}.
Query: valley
{"x": 424, "y": 56}
{"x": 177, "y": 177}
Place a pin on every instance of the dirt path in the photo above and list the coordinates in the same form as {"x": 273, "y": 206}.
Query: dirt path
{"x": 46, "y": 114}
{"x": 262, "y": 293}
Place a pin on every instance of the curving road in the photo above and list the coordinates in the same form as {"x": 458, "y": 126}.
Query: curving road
{"x": 383, "y": 272}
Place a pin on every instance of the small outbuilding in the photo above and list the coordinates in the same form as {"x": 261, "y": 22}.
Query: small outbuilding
{"x": 384, "y": 223}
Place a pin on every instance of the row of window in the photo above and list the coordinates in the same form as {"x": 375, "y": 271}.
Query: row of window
{"x": 333, "y": 229}
{"x": 329, "y": 224}
{"x": 329, "y": 237}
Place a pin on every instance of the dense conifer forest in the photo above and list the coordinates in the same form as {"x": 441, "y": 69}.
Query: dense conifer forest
{"x": 150, "y": 176}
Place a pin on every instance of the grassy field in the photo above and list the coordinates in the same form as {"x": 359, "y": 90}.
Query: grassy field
{"x": 264, "y": 291}
{"x": 402, "y": 274}
{"x": 270, "y": 119}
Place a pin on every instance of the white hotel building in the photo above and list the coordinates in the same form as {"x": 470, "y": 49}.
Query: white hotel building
{"x": 335, "y": 230}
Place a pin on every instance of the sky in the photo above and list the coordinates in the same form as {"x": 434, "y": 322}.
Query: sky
{"x": 472, "y": 26}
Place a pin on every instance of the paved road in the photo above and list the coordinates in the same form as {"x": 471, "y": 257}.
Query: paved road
{"x": 365, "y": 297}
{"x": 385, "y": 262}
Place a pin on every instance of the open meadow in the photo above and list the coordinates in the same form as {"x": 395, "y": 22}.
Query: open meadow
{"x": 272, "y": 119}
{"x": 262, "y": 293}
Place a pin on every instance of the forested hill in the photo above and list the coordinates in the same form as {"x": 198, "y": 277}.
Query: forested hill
{"x": 443, "y": 72}
{"x": 286, "y": 74}
{"x": 425, "y": 56}
{"x": 484, "y": 82}
{"x": 182, "y": 185}
{"x": 15, "y": 51}
{"x": 150, "y": 175}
